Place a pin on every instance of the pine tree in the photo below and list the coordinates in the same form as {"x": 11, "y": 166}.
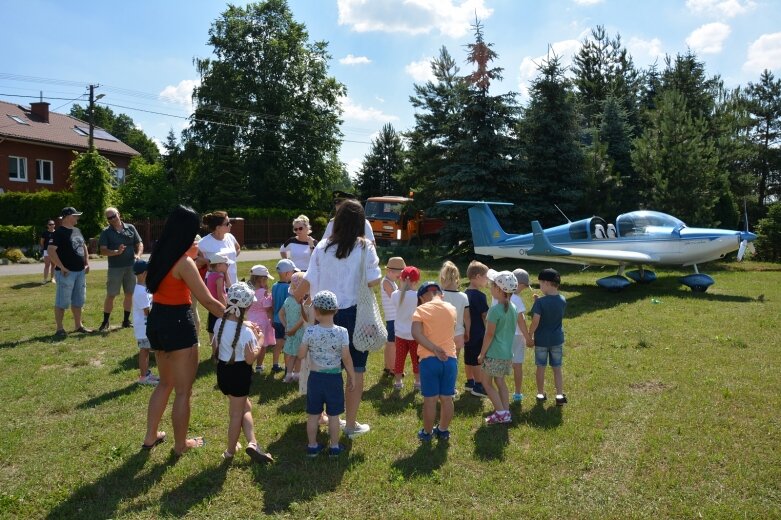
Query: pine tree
{"x": 623, "y": 192}
{"x": 382, "y": 166}
{"x": 764, "y": 107}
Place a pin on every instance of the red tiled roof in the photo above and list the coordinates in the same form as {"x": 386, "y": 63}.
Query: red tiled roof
{"x": 60, "y": 130}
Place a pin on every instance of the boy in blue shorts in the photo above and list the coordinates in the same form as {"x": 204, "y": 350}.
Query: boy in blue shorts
{"x": 548, "y": 335}
{"x": 279, "y": 293}
{"x": 433, "y": 323}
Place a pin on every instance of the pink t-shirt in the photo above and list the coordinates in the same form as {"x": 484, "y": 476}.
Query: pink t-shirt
{"x": 211, "y": 283}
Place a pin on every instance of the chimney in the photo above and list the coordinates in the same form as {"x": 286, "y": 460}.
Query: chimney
{"x": 41, "y": 110}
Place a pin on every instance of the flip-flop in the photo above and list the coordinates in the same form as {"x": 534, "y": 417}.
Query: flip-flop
{"x": 160, "y": 439}
{"x": 258, "y": 456}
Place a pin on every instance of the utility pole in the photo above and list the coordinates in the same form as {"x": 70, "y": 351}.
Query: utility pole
{"x": 91, "y": 142}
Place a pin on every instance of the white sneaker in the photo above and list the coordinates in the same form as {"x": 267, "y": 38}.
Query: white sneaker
{"x": 148, "y": 380}
{"x": 359, "y": 430}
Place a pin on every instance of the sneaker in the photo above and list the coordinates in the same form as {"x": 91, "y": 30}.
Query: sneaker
{"x": 541, "y": 398}
{"x": 359, "y": 430}
{"x": 259, "y": 369}
{"x": 416, "y": 387}
{"x": 469, "y": 384}
{"x": 288, "y": 378}
{"x": 313, "y": 451}
{"x": 443, "y": 435}
{"x": 276, "y": 368}
{"x": 387, "y": 372}
{"x": 498, "y": 418}
{"x": 150, "y": 375}
{"x": 478, "y": 390}
{"x": 425, "y": 437}
{"x": 561, "y": 401}
{"x": 60, "y": 333}
{"x": 54, "y": 281}
{"x": 126, "y": 324}
{"x": 148, "y": 380}
{"x": 335, "y": 451}
{"x": 506, "y": 418}
{"x": 517, "y": 398}
{"x": 103, "y": 326}
{"x": 398, "y": 386}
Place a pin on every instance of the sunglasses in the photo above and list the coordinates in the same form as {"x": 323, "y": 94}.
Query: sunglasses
{"x": 229, "y": 223}
{"x": 298, "y": 228}
{"x": 111, "y": 217}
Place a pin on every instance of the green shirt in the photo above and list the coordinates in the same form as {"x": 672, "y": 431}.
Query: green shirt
{"x": 111, "y": 238}
{"x": 502, "y": 343}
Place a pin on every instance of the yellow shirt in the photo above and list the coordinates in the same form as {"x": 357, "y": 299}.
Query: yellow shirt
{"x": 439, "y": 324}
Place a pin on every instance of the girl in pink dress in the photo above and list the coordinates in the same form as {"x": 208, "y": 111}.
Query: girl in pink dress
{"x": 260, "y": 311}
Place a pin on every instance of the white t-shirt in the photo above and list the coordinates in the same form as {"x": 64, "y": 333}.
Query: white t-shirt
{"x": 388, "y": 309}
{"x": 368, "y": 234}
{"x": 403, "y": 324}
{"x": 245, "y": 336}
{"x": 141, "y": 300}
{"x": 325, "y": 346}
{"x": 298, "y": 252}
{"x": 518, "y": 305}
{"x": 460, "y": 301}
{"x": 341, "y": 276}
{"x": 226, "y": 246}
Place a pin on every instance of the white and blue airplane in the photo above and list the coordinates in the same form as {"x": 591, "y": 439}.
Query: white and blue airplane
{"x": 640, "y": 238}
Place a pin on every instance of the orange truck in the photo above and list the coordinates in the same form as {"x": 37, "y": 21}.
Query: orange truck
{"x": 394, "y": 222}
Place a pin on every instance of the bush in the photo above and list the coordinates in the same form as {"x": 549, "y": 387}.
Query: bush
{"x": 18, "y": 236}
{"x": 277, "y": 213}
{"x": 15, "y": 255}
{"x": 768, "y": 243}
{"x": 24, "y": 209}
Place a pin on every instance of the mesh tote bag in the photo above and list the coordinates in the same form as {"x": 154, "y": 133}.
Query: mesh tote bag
{"x": 370, "y": 334}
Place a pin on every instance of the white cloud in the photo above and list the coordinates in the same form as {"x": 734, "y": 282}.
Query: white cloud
{"x": 720, "y": 8}
{"x": 449, "y": 17}
{"x": 420, "y": 71}
{"x": 764, "y": 53}
{"x": 355, "y": 60}
{"x": 182, "y": 93}
{"x": 588, "y": 2}
{"x": 645, "y": 51}
{"x": 354, "y": 112}
{"x": 564, "y": 49}
{"x": 709, "y": 38}
{"x": 353, "y": 166}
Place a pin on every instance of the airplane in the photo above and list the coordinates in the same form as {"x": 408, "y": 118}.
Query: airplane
{"x": 637, "y": 238}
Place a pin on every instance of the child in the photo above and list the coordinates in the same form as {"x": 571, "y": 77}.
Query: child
{"x": 548, "y": 335}
{"x": 392, "y": 271}
{"x": 260, "y": 311}
{"x": 279, "y": 292}
{"x": 405, "y": 300}
{"x": 215, "y": 282}
{"x": 449, "y": 280}
{"x": 328, "y": 347}
{"x": 497, "y": 352}
{"x": 432, "y": 327}
{"x": 142, "y": 302}
{"x": 291, "y": 315}
{"x": 521, "y": 333}
{"x": 237, "y": 345}
{"x": 473, "y": 337}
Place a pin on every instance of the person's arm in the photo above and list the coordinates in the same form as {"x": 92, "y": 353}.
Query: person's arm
{"x": 236, "y": 245}
{"x": 221, "y": 290}
{"x": 282, "y": 318}
{"x": 347, "y": 361}
{"x": 185, "y": 270}
{"x": 387, "y": 287}
{"x": 250, "y": 351}
{"x": 86, "y": 258}
{"x": 490, "y": 329}
{"x": 55, "y": 259}
{"x": 423, "y": 341}
{"x": 297, "y": 326}
{"x": 533, "y": 328}
{"x": 302, "y": 350}
{"x": 523, "y": 328}
{"x": 283, "y": 250}
{"x": 139, "y": 249}
{"x": 467, "y": 323}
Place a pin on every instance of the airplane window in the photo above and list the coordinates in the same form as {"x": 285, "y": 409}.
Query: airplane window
{"x": 643, "y": 222}
{"x": 579, "y": 230}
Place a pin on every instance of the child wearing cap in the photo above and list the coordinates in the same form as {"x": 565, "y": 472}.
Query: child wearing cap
{"x": 293, "y": 318}
{"x": 497, "y": 351}
{"x": 392, "y": 271}
{"x": 473, "y": 337}
{"x": 279, "y": 293}
{"x": 142, "y": 303}
{"x": 405, "y": 301}
{"x": 547, "y": 334}
{"x": 215, "y": 282}
{"x": 236, "y": 343}
{"x": 433, "y": 323}
{"x": 328, "y": 348}
{"x": 260, "y": 311}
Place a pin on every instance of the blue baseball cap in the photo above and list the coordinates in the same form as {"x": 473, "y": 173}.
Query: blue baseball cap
{"x": 429, "y": 287}
{"x": 140, "y": 266}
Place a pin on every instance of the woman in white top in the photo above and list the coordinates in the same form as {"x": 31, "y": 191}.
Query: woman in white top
{"x": 220, "y": 240}
{"x": 336, "y": 266}
{"x": 299, "y": 248}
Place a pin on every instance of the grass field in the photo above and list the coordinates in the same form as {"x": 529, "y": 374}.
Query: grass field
{"x": 673, "y": 413}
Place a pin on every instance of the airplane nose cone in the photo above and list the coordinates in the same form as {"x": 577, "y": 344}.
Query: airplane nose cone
{"x": 747, "y": 236}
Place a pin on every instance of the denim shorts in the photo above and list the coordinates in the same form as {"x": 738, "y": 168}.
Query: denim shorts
{"x": 71, "y": 289}
{"x": 548, "y": 356}
{"x": 391, "y": 326}
{"x": 120, "y": 277}
{"x": 438, "y": 378}
{"x": 346, "y": 318}
{"x": 324, "y": 389}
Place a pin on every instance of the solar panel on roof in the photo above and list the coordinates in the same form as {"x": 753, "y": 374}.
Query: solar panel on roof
{"x": 98, "y": 133}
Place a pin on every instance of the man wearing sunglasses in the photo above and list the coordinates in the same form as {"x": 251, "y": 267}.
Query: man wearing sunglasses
{"x": 122, "y": 244}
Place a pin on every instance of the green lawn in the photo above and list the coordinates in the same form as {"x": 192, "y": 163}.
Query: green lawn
{"x": 673, "y": 413}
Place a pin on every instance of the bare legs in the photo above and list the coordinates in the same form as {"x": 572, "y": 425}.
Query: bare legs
{"x": 352, "y": 401}
{"x": 498, "y": 395}
{"x": 240, "y": 412}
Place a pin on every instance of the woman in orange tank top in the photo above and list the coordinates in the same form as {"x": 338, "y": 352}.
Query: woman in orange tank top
{"x": 171, "y": 277}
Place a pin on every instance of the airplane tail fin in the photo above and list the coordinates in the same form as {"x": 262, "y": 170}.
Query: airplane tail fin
{"x": 486, "y": 230}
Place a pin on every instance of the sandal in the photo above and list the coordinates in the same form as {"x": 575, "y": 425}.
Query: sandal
{"x": 159, "y": 440}
{"x": 229, "y": 456}
{"x": 257, "y": 455}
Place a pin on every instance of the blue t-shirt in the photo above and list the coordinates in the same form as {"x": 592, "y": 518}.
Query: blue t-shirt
{"x": 549, "y": 333}
{"x": 502, "y": 343}
{"x": 279, "y": 293}
{"x": 478, "y": 304}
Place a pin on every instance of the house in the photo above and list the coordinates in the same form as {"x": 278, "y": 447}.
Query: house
{"x": 37, "y": 147}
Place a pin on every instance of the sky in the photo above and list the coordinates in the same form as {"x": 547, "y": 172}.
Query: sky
{"x": 142, "y": 53}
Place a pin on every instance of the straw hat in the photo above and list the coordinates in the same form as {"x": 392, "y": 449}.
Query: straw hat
{"x": 396, "y": 262}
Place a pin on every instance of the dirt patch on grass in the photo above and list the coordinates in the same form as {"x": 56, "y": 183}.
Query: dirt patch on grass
{"x": 652, "y": 387}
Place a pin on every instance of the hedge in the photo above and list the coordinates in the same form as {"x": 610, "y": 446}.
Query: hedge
{"x": 33, "y": 208}
{"x": 276, "y": 213}
{"x": 18, "y": 236}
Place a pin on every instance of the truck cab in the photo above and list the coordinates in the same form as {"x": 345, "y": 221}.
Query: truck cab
{"x": 393, "y": 221}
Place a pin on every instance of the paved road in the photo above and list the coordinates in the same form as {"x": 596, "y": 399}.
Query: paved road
{"x": 258, "y": 255}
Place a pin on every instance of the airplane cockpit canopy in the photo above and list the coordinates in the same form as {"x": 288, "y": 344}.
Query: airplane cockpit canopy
{"x": 646, "y": 223}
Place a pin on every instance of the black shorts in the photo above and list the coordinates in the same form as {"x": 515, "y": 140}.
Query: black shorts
{"x": 235, "y": 379}
{"x": 279, "y": 330}
{"x": 210, "y": 323}
{"x": 171, "y": 327}
{"x": 471, "y": 351}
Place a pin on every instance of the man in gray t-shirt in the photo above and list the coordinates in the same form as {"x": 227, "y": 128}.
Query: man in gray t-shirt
{"x": 122, "y": 244}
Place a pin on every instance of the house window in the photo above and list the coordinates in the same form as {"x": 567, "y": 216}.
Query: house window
{"x": 118, "y": 176}
{"x": 43, "y": 171}
{"x": 17, "y": 168}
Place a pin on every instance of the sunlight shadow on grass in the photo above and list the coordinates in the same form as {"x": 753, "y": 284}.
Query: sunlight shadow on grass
{"x": 46, "y": 338}
{"x": 129, "y": 363}
{"x": 194, "y": 490}
{"x": 297, "y": 406}
{"x": 468, "y": 404}
{"x": 491, "y": 441}
{"x": 396, "y": 402}
{"x": 540, "y": 417}
{"x": 107, "y": 396}
{"x": 270, "y": 389}
{"x": 101, "y": 498}
{"x": 429, "y": 457}
{"x": 25, "y": 285}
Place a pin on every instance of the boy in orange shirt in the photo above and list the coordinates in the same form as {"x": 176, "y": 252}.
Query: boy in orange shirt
{"x": 433, "y": 326}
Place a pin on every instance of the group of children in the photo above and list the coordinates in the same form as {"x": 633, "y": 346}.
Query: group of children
{"x": 430, "y": 322}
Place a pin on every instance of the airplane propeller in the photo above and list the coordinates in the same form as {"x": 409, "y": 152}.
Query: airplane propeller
{"x": 744, "y": 243}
